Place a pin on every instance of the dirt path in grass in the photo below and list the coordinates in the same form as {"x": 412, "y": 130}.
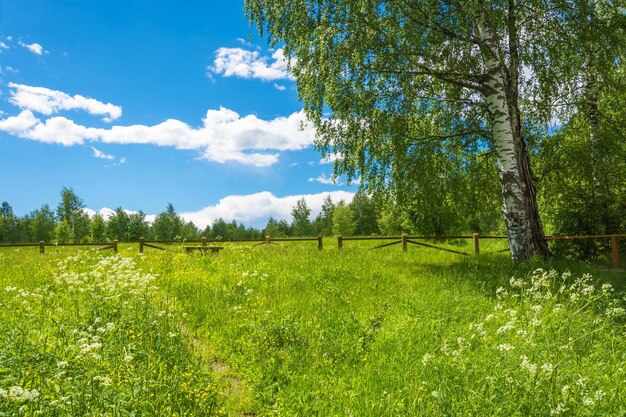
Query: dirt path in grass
{"x": 235, "y": 396}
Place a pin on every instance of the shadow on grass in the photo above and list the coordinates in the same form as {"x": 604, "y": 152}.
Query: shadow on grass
{"x": 488, "y": 272}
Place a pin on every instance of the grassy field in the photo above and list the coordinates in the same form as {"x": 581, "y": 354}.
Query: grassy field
{"x": 289, "y": 330}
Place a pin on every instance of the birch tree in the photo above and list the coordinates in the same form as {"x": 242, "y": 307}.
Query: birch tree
{"x": 378, "y": 79}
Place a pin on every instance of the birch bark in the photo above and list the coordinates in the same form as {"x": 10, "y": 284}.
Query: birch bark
{"x": 514, "y": 208}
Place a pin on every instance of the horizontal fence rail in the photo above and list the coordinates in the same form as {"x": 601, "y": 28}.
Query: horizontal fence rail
{"x": 42, "y": 245}
{"x": 404, "y": 240}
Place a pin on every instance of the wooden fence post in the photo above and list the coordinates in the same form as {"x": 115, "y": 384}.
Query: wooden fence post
{"x": 115, "y": 246}
{"x": 42, "y": 247}
{"x": 141, "y": 244}
{"x": 476, "y": 238}
{"x": 320, "y": 244}
{"x": 614, "y": 252}
{"x": 340, "y": 242}
{"x": 268, "y": 240}
{"x": 203, "y": 241}
{"x": 404, "y": 248}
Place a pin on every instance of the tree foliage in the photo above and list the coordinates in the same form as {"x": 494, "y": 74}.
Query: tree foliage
{"x": 415, "y": 87}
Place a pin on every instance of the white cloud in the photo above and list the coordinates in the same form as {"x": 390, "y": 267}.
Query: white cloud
{"x": 97, "y": 153}
{"x": 251, "y": 209}
{"x": 224, "y": 136}
{"x": 122, "y": 160}
{"x": 3, "y": 45}
{"x": 255, "y": 209}
{"x": 10, "y": 69}
{"x": 46, "y": 101}
{"x": 323, "y": 179}
{"x": 247, "y": 43}
{"x": 35, "y": 48}
{"x": 238, "y": 62}
{"x": 106, "y": 213}
{"x": 279, "y": 87}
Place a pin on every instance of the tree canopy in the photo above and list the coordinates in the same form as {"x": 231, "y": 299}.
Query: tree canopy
{"x": 399, "y": 87}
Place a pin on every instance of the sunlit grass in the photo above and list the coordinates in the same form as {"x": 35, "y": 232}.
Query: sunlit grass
{"x": 290, "y": 330}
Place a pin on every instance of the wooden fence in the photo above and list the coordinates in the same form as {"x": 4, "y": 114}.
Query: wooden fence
{"x": 403, "y": 240}
{"x": 204, "y": 242}
{"x": 42, "y": 245}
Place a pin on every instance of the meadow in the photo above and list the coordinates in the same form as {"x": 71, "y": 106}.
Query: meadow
{"x": 290, "y": 330}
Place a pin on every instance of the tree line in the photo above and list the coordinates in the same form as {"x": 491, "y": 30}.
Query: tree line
{"x": 70, "y": 223}
{"x": 365, "y": 215}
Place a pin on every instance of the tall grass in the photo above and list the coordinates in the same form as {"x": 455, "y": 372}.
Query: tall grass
{"x": 289, "y": 330}
{"x": 92, "y": 335}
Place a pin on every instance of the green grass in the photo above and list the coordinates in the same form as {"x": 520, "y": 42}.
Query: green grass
{"x": 289, "y": 330}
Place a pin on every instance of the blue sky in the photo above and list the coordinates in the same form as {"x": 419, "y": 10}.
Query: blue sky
{"x": 141, "y": 103}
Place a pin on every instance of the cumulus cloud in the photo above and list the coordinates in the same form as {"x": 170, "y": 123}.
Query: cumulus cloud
{"x": 239, "y": 62}
{"x": 279, "y": 87}
{"x": 323, "y": 179}
{"x": 224, "y": 136}
{"x": 255, "y": 209}
{"x": 46, "y": 101}
{"x": 35, "y": 48}
{"x": 250, "y": 209}
{"x": 97, "y": 153}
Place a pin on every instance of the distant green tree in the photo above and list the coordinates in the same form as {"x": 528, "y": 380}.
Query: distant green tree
{"x": 301, "y": 225}
{"x": 219, "y": 229}
{"x": 8, "y": 224}
{"x": 391, "y": 219}
{"x": 364, "y": 210}
{"x": 275, "y": 229}
{"x": 6, "y": 210}
{"x": 168, "y": 225}
{"x": 323, "y": 224}
{"x": 137, "y": 226}
{"x": 343, "y": 220}
{"x": 63, "y": 232}
{"x": 189, "y": 231}
{"x": 70, "y": 209}
{"x": 97, "y": 229}
{"x": 42, "y": 224}
{"x": 117, "y": 225}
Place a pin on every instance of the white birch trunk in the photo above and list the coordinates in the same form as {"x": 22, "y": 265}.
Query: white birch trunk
{"x": 513, "y": 208}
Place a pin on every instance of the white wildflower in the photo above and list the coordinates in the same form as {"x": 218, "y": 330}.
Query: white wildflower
{"x": 588, "y": 401}
{"x": 104, "y": 380}
{"x": 426, "y": 359}
{"x": 547, "y": 368}
{"x": 528, "y": 366}
{"x": 560, "y": 409}
{"x": 19, "y": 394}
{"x": 504, "y": 347}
